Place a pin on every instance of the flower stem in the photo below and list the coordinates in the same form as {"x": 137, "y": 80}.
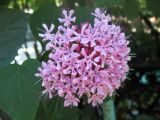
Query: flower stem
{"x": 109, "y": 110}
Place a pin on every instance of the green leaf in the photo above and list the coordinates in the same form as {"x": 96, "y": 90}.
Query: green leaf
{"x": 153, "y": 5}
{"x": 37, "y": 3}
{"x": 48, "y": 14}
{"x": 54, "y": 110}
{"x": 19, "y": 96}
{"x": 13, "y": 27}
{"x": 131, "y": 8}
{"x": 83, "y": 14}
{"x": 109, "y": 3}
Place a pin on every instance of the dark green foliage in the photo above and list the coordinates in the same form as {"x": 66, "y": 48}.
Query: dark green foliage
{"x": 131, "y": 8}
{"x": 109, "y": 3}
{"x": 153, "y": 5}
{"x": 54, "y": 110}
{"x": 83, "y": 14}
{"x": 4, "y": 2}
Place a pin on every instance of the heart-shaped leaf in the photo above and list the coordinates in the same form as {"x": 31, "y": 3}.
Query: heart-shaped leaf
{"x": 19, "y": 96}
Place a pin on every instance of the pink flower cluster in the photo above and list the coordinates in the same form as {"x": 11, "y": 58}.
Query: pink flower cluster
{"x": 86, "y": 60}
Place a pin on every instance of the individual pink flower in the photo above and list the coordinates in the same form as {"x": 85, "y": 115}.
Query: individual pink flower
{"x": 67, "y": 17}
{"x": 71, "y": 100}
{"x": 47, "y": 32}
{"x": 95, "y": 99}
{"x": 86, "y": 60}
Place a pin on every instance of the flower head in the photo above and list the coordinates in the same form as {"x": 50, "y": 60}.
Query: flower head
{"x": 90, "y": 60}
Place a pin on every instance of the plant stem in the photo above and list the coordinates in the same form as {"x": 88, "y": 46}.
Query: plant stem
{"x": 109, "y": 110}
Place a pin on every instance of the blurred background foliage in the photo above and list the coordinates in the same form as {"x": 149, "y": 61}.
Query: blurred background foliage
{"x": 20, "y": 23}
